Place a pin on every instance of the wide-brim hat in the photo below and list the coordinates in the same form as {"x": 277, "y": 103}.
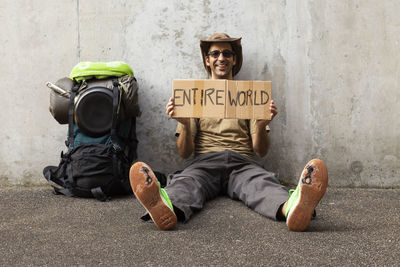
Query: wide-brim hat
{"x": 223, "y": 38}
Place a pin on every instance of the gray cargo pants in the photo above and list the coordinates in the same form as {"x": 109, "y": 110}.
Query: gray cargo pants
{"x": 227, "y": 172}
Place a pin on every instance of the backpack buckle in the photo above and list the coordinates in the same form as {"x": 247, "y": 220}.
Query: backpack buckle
{"x": 116, "y": 147}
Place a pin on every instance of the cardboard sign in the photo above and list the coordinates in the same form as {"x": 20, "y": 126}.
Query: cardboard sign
{"x": 227, "y": 99}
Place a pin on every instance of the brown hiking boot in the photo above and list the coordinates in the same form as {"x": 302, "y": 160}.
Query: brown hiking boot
{"x": 310, "y": 190}
{"x": 154, "y": 199}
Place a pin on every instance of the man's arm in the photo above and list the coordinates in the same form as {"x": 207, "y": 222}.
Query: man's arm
{"x": 185, "y": 140}
{"x": 260, "y": 138}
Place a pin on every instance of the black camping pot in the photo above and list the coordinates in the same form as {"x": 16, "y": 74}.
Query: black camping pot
{"x": 93, "y": 111}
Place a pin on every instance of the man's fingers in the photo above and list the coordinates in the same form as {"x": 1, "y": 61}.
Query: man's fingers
{"x": 273, "y": 109}
{"x": 169, "y": 110}
{"x": 169, "y": 107}
{"x": 170, "y": 102}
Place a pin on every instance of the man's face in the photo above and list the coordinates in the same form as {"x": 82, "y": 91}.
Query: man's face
{"x": 221, "y": 65}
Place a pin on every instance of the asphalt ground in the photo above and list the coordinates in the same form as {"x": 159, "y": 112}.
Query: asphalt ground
{"x": 354, "y": 227}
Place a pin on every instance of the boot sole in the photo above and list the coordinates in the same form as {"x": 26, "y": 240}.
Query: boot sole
{"x": 313, "y": 183}
{"x": 145, "y": 187}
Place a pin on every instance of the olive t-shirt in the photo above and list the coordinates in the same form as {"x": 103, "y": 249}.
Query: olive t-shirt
{"x": 214, "y": 135}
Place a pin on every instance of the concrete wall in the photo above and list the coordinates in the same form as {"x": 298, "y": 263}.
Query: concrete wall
{"x": 334, "y": 67}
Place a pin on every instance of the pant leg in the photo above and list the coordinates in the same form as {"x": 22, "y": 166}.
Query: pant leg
{"x": 196, "y": 184}
{"x": 257, "y": 188}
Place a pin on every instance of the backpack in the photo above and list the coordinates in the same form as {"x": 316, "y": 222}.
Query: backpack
{"x": 102, "y": 143}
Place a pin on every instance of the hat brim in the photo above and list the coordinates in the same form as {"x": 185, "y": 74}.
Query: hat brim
{"x": 225, "y": 40}
{"x": 236, "y": 47}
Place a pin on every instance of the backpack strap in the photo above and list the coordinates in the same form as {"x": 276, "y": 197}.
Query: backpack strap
{"x": 132, "y": 142}
{"x": 70, "y": 141}
{"x": 99, "y": 194}
{"x": 64, "y": 191}
{"x": 114, "y": 142}
{"x": 116, "y": 147}
{"x": 118, "y": 152}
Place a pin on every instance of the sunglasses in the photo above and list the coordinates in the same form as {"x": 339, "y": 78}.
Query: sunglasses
{"x": 225, "y": 53}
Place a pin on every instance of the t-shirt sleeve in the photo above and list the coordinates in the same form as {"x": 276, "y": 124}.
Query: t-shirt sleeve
{"x": 193, "y": 127}
{"x": 253, "y": 127}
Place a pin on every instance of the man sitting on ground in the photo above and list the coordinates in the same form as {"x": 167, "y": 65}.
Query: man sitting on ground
{"x": 224, "y": 161}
